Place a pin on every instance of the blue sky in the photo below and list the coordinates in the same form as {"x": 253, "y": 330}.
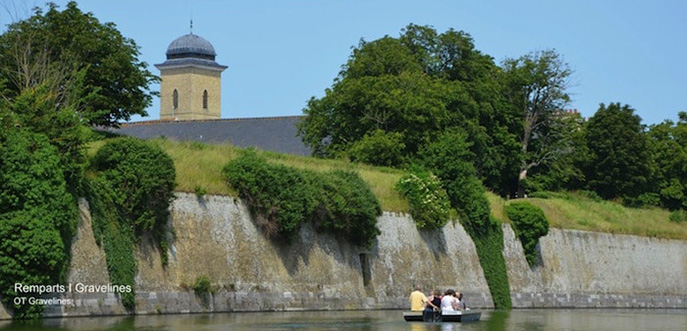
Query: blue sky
{"x": 280, "y": 53}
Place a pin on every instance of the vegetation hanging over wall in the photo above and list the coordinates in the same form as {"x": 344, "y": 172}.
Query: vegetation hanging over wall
{"x": 38, "y": 218}
{"x": 61, "y": 71}
{"x": 282, "y": 198}
{"x": 489, "y": 246}
{"x": 450, "y": 158}
{"x": 429, "y": 203}
{"x": 130, "y": 198}
{"x": 530, "y": 224}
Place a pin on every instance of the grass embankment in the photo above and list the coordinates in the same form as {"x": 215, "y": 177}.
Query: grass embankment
{"x": 199, "y": 166}
{"x": 569, "y": 210}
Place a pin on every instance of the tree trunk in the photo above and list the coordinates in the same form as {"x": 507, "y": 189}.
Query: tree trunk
{"x": 521, "y": 180}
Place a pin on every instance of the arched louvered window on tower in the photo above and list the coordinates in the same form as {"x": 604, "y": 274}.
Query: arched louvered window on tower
{"x": 205, "y": 99}
{"x": 175, "y": 99}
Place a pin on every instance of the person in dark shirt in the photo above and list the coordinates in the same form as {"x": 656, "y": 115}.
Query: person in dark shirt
{"x": 432, "y": 307}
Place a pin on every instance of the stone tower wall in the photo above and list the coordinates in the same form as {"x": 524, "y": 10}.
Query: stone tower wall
{"x": 190, "y": 82}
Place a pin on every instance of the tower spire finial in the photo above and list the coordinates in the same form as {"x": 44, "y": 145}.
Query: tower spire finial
{"x": 191, "y": 26}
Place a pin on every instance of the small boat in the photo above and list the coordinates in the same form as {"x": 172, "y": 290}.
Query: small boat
{"x": 445, "y": 316}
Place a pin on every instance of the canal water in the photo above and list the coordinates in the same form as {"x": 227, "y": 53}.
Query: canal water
{"x": 516, "y": 320}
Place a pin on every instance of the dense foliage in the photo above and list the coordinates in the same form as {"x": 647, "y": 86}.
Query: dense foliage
{"x": 530, "y": 224}
{"x": 668, "y": 145}
{"x": 279, "y": 197}
{"x": 202, "y": 285}
{"x": 282, "y": 198}
{"x": 130, "y": 198}
{"x": 410, "y": 89}
{"x": 379, "y": 148}
{"x": 140, "y": 177}
{"x": 619, "y": 155}
{"x": 60, "y": 72}
{"x": 38, "y": 217}
{"x": 449, "y": 157}
{"x": 104, "y": 79}
{"x": 346, "y": 206}
{"x": 115, "y": 237}
{"x": 536, "y": 86}
{"x": 489, "y": 246}
{"x": 429, "y": 203}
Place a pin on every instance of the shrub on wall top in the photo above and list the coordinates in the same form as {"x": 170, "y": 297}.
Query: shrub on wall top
{"x": 141, "y": 179}
{"x": 279, "y": 197}
{"x": 282, "y": 198}
{"x": 530, "y": 224}
{"x": 346, "y": 206}
{"x": 130, "y": 196}
{"x": 429, "y": 203}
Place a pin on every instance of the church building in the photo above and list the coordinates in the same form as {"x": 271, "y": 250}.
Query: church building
{"x": 190, "y": 106}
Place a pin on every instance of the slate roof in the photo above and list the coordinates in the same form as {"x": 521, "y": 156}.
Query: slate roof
{"x": 276, "y": 134}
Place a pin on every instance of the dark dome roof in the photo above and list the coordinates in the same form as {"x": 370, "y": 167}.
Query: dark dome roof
{"x": 191, "y": 50}
{"x": 190, "y": 45}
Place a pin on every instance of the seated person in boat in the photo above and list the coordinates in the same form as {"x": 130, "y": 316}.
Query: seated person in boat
{"x": 433, "y": 303}
{"x": 417, "y": 299}
{"x": 449, "y": 302}
{"x": 434, "y": 300}
{"x": 461, "y": 302}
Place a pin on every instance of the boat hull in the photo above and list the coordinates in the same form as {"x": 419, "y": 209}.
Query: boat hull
{"x": 458, "y": 316}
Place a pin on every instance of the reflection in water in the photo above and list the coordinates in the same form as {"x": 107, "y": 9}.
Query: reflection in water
{"x": 517, "y": 320}
{"x": 497, "y": 320}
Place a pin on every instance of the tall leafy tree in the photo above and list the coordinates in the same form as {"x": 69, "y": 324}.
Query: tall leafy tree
{"x": 668, "y": 145}
{"x": 564, "y": 171}
{"x": 417, "y": 85}
{"x": 59, "y": 49}
{"x": 619, "y": 164}
{"x": 382, "y": 87}
{"x": 536, "y": 86}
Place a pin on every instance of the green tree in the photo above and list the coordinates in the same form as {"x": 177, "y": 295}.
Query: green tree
{"x": 417, "y": 85}
{"x": 449, "y": 157}
{"x": 379, "y": 148}
{"x": 619, "y": 164}
{"x": 410, "y": 103}
{"x": 563, "y": 172}
{"x": 38, "y": 110}
{"x": 60, "y": 48}
{"x": 668, "y": 142}
{"x": 536, "y": 86}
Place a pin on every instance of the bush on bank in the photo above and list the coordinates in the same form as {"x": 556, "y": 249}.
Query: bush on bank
{"x": 529, "y": 223}
{"x": 282, "y": 198}
{"x": 429, "y": 203}
{"x": 130, "y": 197}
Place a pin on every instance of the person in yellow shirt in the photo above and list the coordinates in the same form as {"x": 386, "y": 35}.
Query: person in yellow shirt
{"x": 417, "y": 299}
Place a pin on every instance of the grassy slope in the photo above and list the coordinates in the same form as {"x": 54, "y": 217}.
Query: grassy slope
{"x": 573, "y": 211}
{"x": 199, "y": 165}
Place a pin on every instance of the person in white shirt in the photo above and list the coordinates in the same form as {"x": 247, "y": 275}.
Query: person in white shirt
{"x": 449, "y": 302}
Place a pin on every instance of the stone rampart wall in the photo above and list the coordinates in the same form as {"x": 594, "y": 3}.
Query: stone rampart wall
{"x": 215, "y": 237}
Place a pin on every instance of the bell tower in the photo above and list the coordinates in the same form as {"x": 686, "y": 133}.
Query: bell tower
{"x": 190, "y": 86}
